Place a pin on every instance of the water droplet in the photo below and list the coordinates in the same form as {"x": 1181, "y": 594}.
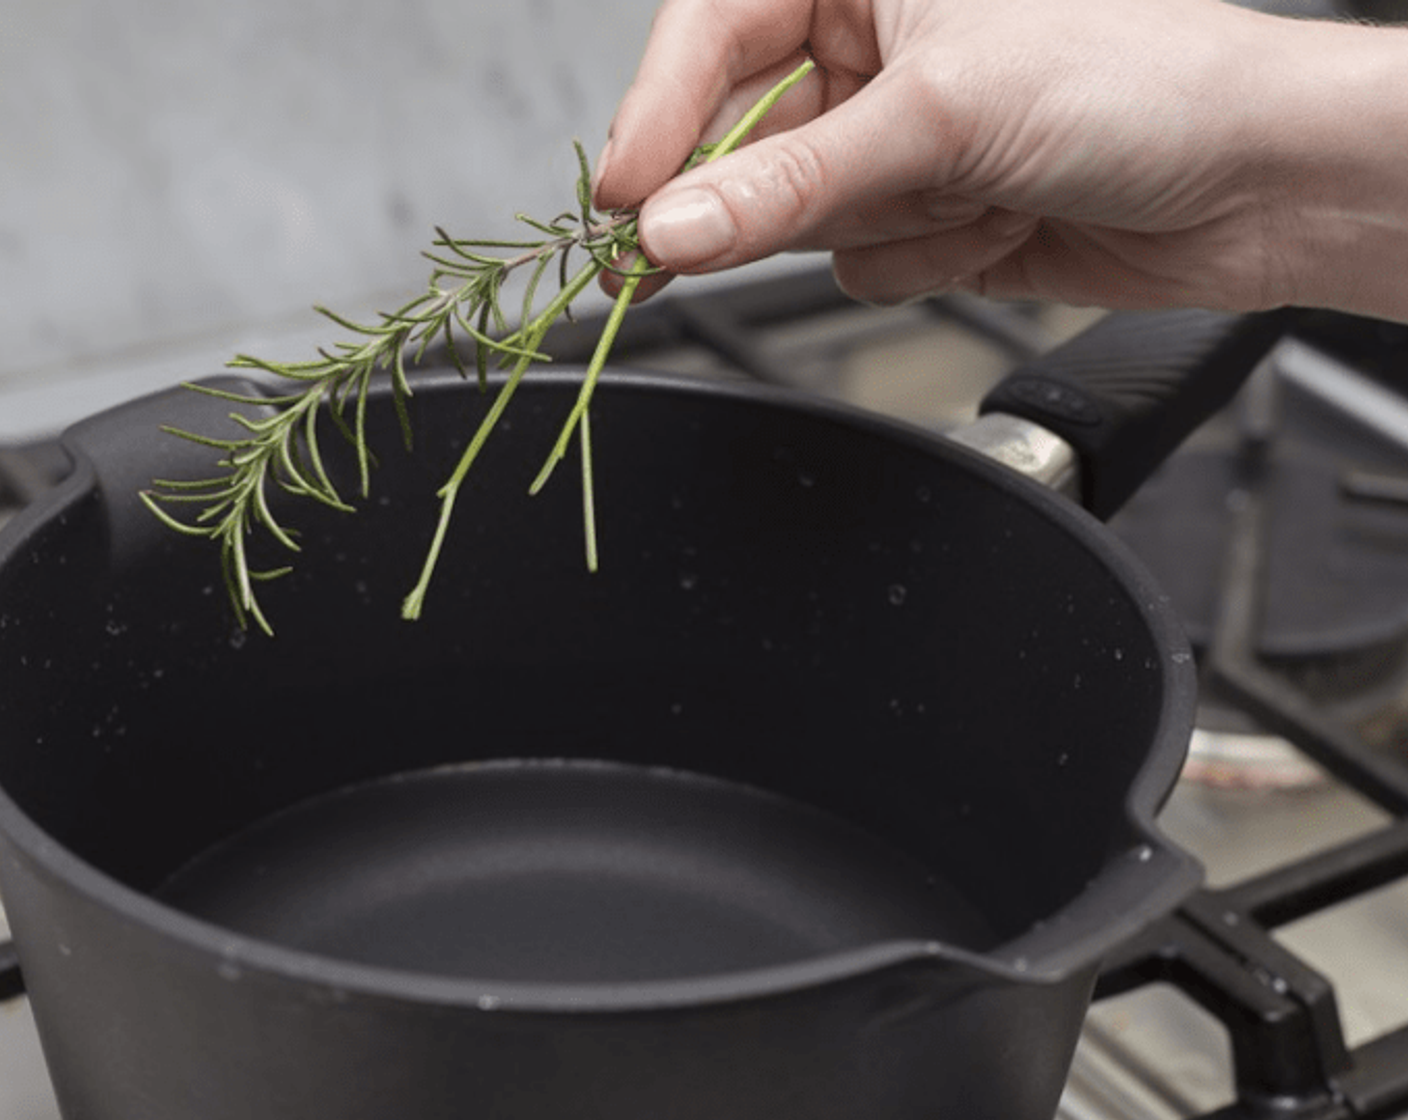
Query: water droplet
{"x": 64, "y": 950}
{"x": 115, "y": 628}
{"x": 1063, "y": 759}
{"x": 689, "y": 581}
{"x": 1143, "y": 853}
{"x": 488, "y": 1003}
{"x": 897, "y": 594}
{"x": 923, "y": 493}
{"x": 229, "y": 970}
{"x": 676, "y": 709}
{"x": 238, "y": 639}
{"x": 805, "y": 481}
{"x": 1119, "y": 654}
{"x": 1182, "y": 657}
{"x": 1021, "y": 964}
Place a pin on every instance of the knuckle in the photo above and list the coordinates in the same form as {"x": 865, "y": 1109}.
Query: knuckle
{"x": 951, "y": 99}
{"x": 787, "y": 192}
{"x": 799, "y": 175}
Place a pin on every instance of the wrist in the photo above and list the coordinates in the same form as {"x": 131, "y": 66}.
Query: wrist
{"x": 1337, "y": 213}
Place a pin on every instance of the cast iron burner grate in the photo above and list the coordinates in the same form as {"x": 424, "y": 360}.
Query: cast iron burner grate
{"x": 1289, "y": 1052}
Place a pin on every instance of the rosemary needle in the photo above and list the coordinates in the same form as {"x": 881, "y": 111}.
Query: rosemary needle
{"x": 278, "y": 445}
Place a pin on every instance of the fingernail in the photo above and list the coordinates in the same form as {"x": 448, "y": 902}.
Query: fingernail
{"x": 687, "y": 228}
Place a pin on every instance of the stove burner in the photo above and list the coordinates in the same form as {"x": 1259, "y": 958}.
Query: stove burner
{"x": 1336, "y": 586}
{"x": 1289, "y": 1052}
{"x": 1321, "y": 448}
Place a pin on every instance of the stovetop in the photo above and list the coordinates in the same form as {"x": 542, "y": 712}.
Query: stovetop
{"x": 1282, "y": 988}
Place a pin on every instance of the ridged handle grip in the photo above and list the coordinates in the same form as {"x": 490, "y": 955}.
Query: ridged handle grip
{"x": 1129, "y": 390}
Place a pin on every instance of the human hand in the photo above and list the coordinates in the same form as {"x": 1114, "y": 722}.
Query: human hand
{"x": 1122, "y": 153}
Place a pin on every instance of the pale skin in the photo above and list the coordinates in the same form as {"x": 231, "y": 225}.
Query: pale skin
{"x": 1117, "y": 153}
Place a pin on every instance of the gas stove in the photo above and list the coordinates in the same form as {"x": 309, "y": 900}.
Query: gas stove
{"x": 1281, "y": 532}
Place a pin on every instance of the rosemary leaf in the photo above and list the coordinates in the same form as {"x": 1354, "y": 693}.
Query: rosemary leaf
{"x": 281, "y": 447}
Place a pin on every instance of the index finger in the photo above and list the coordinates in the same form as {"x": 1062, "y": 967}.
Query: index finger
{"x": 698, "y": 51}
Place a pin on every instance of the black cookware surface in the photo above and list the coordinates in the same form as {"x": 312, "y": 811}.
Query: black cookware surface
{"x": 566, "y": 872}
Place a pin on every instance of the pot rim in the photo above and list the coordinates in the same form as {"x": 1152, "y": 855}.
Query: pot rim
{"x": 1137, "y": 887}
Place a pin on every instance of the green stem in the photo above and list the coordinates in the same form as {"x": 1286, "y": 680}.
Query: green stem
{"x": 739, "y": 132}
{"x": 634, "y": 275}
{"x": 528, "y": 339}
{"x": 579, "y": 419}
{"x": 414, "y": 602}
{"x": 588, "y": 493}
{"x": 532, "y": 335}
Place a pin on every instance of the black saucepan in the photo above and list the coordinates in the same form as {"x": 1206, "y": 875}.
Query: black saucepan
{"x": 822, "y": 800}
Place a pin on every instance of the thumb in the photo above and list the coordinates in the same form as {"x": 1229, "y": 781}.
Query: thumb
{"x": 770, "y": 195}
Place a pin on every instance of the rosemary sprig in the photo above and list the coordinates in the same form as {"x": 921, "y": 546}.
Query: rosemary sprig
{"x": 278, "y": 445}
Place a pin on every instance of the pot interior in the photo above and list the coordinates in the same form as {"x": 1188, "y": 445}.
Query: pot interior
{"x": 826, "y": 661}
{"x": 566, "y": 872}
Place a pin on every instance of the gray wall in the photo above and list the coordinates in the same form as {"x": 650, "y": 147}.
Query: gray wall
{"x": 182, "y": 177}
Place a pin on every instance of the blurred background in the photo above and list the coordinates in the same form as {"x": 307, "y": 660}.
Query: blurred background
{"x": 180, "y": 179}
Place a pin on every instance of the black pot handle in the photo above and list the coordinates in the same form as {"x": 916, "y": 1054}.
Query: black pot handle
{"x": 1126, "y": 392}
{"x": 11, "y": 982}
{"x": 102, "y": 446}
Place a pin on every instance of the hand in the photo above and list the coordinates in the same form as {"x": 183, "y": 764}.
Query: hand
{"x": 1122, "y": 153}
